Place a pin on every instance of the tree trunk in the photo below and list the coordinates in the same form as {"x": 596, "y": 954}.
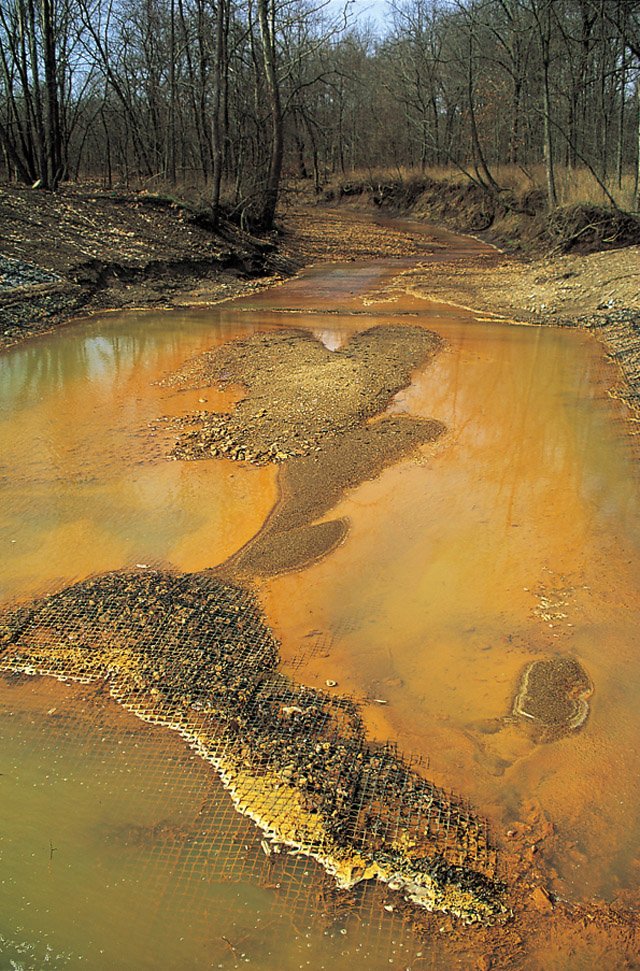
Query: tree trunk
{"x": 637, "y": 186}
{"x": 514, "y": 138}
{"x": 548, "y": 143}
{"x": 12, "y": 156}
{"x": 53, "y": 135}
{"x": 218, "y": 114}
{"x": 482, "y": 169}
{"x": 544, "y": 29}
{"x": 266, "y": 21}
{"x": 41, "y": 148}
{"x": 623, "y": 82}
{"x": 171, "y": 135}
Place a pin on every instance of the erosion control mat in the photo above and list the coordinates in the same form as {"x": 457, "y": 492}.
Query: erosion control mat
{"x": 194, "y": 653}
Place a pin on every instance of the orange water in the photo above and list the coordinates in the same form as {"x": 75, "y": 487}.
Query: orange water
{"x": 433, "y": 602}
{"x": 432, "y": 605}
{"x": 84, "y": 484}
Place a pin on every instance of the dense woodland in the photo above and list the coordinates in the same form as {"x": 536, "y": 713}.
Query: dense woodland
{"x": 231, "y": 96}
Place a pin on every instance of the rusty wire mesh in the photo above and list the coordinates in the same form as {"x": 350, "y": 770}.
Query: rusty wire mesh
{"x": 192, "y": 652}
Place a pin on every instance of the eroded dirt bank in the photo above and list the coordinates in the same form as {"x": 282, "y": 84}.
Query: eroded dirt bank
{"x": 598, "y": 290}
{"x": 84, "y": 249}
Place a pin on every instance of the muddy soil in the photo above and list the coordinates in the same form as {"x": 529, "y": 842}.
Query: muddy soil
{"x": 553, "y": 696}
{"x": 312, "y": 485}
{"x": 317, "y": 234}
{"x": 84, "y": 249}
{"x": 556, "y": 290}
{"x": 310, "y": 405}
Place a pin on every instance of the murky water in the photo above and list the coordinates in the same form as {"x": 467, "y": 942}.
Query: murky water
{"x": 83, "y": 484}
{"x": 436, "y": 605}
{"x": 119, "y": 848}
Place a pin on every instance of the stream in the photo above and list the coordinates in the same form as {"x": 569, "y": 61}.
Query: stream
{"x": 515, "y": 536}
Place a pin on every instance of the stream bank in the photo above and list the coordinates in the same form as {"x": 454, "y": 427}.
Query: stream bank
{"x": 84, "y": 250}
{"x": 598, "y": 291}
{"x": 510, "y": 539}
{"x": 577, "y": 265}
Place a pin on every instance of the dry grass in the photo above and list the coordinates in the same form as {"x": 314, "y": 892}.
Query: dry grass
{"x": 574, "y": 186}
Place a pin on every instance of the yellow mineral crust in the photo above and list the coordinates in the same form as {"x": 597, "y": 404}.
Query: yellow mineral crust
{"x": 293, "y": 759}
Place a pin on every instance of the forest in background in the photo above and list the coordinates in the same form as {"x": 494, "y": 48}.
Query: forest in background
{"x": 225, "y": 98}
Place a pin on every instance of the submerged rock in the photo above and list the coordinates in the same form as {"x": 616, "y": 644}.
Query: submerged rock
{"x": 553, "y": 696}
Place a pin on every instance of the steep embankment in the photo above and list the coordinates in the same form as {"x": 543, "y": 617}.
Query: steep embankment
{"x": 82, "y": 249}
{"x": 519, "y": 221}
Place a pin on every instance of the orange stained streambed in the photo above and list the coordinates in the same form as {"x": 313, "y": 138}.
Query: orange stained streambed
{"x": 515, "y": 537}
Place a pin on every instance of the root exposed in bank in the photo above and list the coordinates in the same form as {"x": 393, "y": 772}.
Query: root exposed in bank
{"x": 194, "y": 653}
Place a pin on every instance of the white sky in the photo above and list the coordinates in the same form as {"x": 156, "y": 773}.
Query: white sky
{"x": 376, "y": 11}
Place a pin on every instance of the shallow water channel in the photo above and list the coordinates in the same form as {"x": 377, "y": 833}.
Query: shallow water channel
{"x": 516, "y": 536}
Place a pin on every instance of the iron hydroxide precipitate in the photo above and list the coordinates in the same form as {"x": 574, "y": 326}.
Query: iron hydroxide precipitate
{"x": 192, "y": 652}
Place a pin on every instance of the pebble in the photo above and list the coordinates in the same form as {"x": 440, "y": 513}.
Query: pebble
{"x": 541, "y": 900}
{"x": 17, "y": 273}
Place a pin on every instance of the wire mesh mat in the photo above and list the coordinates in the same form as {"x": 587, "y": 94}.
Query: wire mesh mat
{"x": 159, "y": 827}
{"x": 194, "y": 653}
